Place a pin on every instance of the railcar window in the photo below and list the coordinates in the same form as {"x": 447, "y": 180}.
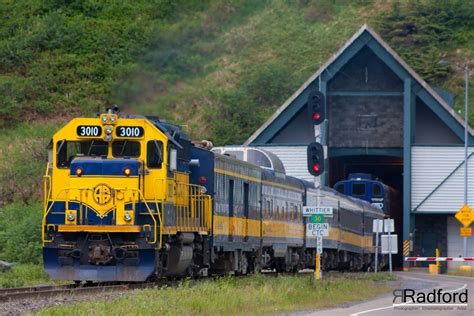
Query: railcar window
{"x": 376, "y": 189}
{"x": 154, "y": 154}
{"x": 236, "y": 154}
{"x": 358, "y": 189}
{"x": 126, "y": 148}
{"x": 66, "y": 151}
{"x": 340, "y": 188}
{"x": 256, "y": 157}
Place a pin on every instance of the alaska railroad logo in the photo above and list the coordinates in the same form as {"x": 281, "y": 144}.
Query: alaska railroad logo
{"x": 102, "y": 194}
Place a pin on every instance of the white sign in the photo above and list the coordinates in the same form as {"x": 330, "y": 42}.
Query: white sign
{"x": 319, "y": 244}
{"x": 388, "y": 225}
{"x": 317, "y": 229}
{"x": 311, "y": 210}
{"x": 377, "y": 226}
{"x": 393, "y": 245}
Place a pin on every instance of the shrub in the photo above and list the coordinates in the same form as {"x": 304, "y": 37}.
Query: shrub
{"x": 20, "y": 232}
{"x": 23, "y": 159}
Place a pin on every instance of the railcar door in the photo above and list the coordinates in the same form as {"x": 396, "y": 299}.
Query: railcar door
{"x": 246, "y": 211}
{"x": 231, "y": 210}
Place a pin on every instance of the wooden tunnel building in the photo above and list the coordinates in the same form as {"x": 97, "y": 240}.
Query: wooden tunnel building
{"x": 385, "y": 120}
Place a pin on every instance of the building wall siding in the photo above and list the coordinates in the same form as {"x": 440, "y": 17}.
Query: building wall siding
{"x": 430, "y": 166}
{"x": 294, "y": 160}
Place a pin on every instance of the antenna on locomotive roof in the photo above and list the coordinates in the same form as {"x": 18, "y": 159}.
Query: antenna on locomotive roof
{"x": 113, "y": 110}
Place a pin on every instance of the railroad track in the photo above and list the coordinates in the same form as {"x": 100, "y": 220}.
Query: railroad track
{"x": 45, "y": 291}
{"x": 14, "y": 294}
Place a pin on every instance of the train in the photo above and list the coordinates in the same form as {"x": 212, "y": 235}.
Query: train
{"x": 366, "y": 187}
{"x": 131, "y": 198}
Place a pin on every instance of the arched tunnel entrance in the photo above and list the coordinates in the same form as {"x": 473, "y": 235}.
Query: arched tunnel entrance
{"x": 387, "y": 169}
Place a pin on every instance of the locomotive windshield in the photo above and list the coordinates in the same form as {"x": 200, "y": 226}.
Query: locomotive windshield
{"x": 376, "y": 189}
{"x": 358, "y": 189}
{"x": 126, "y": 148}
{"x": 68, "y": 150}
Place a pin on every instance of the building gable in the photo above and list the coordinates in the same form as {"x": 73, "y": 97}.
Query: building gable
{"x": 348, "y": 63}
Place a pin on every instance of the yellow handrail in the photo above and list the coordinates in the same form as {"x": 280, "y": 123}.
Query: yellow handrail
{"x": 152, "y": 217}
{"x": 193, "y": 208}
{"x": 46, "y": 186}
{"x": 160, "y": 218}
{"x": 140, "y": 197}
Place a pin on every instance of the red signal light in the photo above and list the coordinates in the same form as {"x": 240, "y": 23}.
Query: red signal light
{"x": 315, "y": 168}
{"x": 202, "y": 180}
{"x": 316, "y": 116}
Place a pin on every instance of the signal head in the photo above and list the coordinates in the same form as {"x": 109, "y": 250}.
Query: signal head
{"x": 315, "y": 152}
{"x": 316, "y": 107}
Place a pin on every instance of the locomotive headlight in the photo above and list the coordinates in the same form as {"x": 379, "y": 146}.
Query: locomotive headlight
{"x": 108, "y": 138}
{"x": 104, "y": 119}
{"x": 127, "y": 171}
{"x": 79, "y": 171}
{"x": 108, "y": 130}
{"x": 127, "y": 217}
{"x": 70, "y": 216}
{"x": 112, "y": 119}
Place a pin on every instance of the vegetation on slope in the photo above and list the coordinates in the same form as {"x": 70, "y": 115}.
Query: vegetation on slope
{"x": 425, "y": 33}
{"x": 64, "y": 57}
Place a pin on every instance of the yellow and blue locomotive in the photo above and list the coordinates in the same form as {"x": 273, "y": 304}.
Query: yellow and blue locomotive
{"x": 128, "y": 198}
{"x": 114, "y": 187}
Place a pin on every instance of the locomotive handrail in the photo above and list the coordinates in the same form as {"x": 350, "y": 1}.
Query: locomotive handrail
{"x": 191, "y": 204}
{"x": 141, "y": 197}
{"x": 46, "y": 186}
{"x": 152, "y": 217}
{"x": 46, "y": 212}
{"x": 160, "y": 217}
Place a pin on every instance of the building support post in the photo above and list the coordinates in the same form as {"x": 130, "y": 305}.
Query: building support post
{"x": 408, "y": 135}
{"x": 324, "y": 178}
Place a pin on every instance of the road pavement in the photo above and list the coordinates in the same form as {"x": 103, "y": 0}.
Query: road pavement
{"x": 419, "y": 281}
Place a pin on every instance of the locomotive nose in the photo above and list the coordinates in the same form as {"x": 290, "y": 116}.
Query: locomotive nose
{"x": 105, "y": 188}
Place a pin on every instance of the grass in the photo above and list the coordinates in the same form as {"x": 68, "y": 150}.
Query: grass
{"x": 254, "y": 295}
{"x": 24, "y": 275}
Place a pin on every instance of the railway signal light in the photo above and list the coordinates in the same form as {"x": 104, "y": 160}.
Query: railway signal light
{"x": 316, "y": 107}
{"x": 315, "y": 153}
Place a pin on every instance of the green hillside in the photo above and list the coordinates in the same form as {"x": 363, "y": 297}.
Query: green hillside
{"x": 219, "y": 68}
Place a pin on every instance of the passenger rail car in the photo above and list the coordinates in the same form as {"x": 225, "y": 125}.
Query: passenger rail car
{"x": 350, "y": 241}
{"x": 129, "y": 198}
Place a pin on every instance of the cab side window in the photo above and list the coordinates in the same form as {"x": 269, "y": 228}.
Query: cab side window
{"x": 154, "y": 154}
